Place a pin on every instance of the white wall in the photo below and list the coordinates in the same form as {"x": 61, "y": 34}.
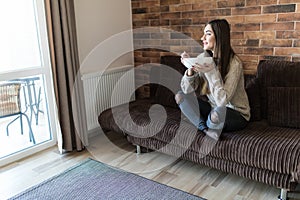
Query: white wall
{"x": 104, "y": 34}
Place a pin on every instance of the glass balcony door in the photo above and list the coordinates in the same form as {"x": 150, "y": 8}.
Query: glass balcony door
{"x": 25, "y": 60}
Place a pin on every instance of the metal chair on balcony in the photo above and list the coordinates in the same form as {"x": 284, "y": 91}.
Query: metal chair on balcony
{"x": 10, "y": 105}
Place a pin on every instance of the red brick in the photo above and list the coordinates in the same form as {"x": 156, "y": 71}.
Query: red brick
{"x": 138, "y": 53}
{"x": 245, "y": 27}
{"x": 296, "y": 59}
{"x": 296, "y": 44}
{"x": 145, "y": 16}
{"x": 140, "y": 23}
{"x": 142, "y": 59}
{"x": 162, "y": 36}
{"x": 297, "y": 26}
{"x": 246, "y": 43}
{"x": 251, "y": 72}
{"x": 155, "y": 22}
{"x": 217, "y": 12}
{"x": 246, "y": 10}
{"x": 288, "y": 1}
{"x": 156, "y": 9}
{"x": 274, "y": 57}
{"x": 169, "y": 2}
{"x": 139, "y": 10}
{"x": 179, "y": 49}
{"x": 232, "y": 3}
{"x": 204, "y": 5}
{"x": 289, "y": 17}
{"x": 260, "y": 35}
{"x": 164, "y": 22}
{"x": 191, "y": 1}
{"x": 279, "y": 8}
{"x": 260, "y": 18}
{"x": 260, "y": 2}
{"x": 237, "y": 35}
{"x": 196, "y": 29}
{"x": 135, "y": 4}
{"x": 151, "y": 42}
{"x": 139, "y": 37}
{"x": 276, "y": 43}
{"x": 249, "y": 58}
{"x": 179, "y": 35}
{"x": 278, "y": 26}
{"x": 287, "y": 51}
{"x": 250, "y": 67}
{"x": 151, "y": 54}
{"x": 175, "y": 28}
{"x": 137, "y": 44}
{"x": 183, "y": 22}
{"x": 146, "y": 4}
{"x": 202, "y": 20}
{"x": 164, "y": 9}
{"x": 238, "y": 50}
{"x": 287, "y": 34}
{"x": 180, "y": 7}
{"x": 258, "y": 51}
{"x": 155, "y": 59}
{"x": 235, "y": 19}
{"x": 196, "y": 50}
{"x": 170, "y": 42}
{"x": 193, "y": 14}
{"x": 164, "y": 53}
{"x": 191, "y": 42}
{"x": 238, "y": 42}
{"x": 173, "y": 15}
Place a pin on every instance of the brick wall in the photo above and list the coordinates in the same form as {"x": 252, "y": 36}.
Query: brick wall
{"x": 261, "y": 29}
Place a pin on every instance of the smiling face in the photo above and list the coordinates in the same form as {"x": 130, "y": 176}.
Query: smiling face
{"x": 208, "y": 39}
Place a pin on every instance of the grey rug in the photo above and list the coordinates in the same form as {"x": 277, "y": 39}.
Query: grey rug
{"x": 92, "y": 179}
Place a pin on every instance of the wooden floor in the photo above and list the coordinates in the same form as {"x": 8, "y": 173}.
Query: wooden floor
{"x": 185, "y": 175}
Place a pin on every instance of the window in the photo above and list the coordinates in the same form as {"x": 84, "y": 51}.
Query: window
{"x": 25, "y": 59}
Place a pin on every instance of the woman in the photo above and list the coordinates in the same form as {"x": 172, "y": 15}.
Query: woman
{"x": 222, "y": 81}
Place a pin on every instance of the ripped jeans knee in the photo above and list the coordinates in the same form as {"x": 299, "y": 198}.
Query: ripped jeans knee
{"x": 216, "y": 118}
{"x": 179, "y": 97}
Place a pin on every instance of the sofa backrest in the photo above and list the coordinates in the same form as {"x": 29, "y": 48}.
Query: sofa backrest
{"x": 169, "y": 75}
{"x": 279, "y": 88}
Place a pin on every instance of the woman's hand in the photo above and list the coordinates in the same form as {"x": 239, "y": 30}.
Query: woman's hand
{"x": 184, "y": 55}
{"x": 206, "y": 67}
{"x": 190, "y": 71}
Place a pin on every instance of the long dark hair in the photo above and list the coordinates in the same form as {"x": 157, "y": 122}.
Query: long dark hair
{"x": 223, "y": 51}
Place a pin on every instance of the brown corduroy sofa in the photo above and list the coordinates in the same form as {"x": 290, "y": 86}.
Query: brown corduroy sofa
{"x": 267, "y": 150}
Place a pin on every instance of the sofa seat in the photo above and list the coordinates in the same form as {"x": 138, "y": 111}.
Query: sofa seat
{"x": 260, "y": 151}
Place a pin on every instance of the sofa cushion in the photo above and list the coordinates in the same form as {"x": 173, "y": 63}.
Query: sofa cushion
{"x": 170, "y": 74}
{"x": 165, "y": 97}
{"x": 283, "y": 106}
{"x": 253, "y": 93}
{"x": 275, "y": 73}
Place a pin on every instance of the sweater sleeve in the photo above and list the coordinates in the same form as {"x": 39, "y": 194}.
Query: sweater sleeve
{"x": 223, "y": 91}
{"x": 189, "y": 83}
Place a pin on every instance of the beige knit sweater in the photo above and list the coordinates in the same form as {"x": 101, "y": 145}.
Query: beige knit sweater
{"x": 230, "y": 92}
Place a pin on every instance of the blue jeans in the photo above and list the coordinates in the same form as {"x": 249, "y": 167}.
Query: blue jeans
{"x": 200, "y": 113}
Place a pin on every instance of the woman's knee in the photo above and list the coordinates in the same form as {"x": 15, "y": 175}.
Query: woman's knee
{"x": 218, "y": 114}
{"x": 179, "y": 98}
{"x": 214, "y": 117}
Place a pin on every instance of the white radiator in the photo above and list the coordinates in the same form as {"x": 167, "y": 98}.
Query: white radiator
{"x": 98, "y": 88}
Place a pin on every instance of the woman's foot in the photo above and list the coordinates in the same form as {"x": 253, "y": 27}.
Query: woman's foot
{"x": 214, "y": 134}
